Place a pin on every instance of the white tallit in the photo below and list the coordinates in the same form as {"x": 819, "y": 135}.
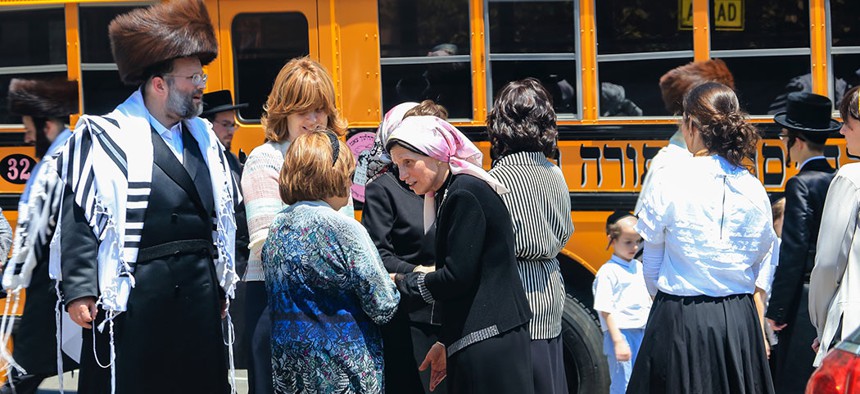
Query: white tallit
{"x": 108, "y": 165}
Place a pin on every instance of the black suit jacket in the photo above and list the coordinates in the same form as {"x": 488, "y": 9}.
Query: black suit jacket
{"x": 804, "y": 203}
{"x": 174, "y": 305}
{"x": 476, "y": 283}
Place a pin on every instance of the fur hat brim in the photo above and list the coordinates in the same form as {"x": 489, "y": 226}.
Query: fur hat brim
{"x": 149, "y": 36}
{"x": 43, "y": 98}
{"x": 675, "y": 84}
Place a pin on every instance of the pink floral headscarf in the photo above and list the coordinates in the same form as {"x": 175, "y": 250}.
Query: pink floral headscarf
{"x": 442, "y": 141}
{"x": 378, "y": 160}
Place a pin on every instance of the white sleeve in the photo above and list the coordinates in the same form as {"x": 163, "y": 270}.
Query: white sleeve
{"x": 652, "y": 259}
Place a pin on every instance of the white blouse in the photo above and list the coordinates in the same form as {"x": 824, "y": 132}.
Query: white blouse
{"x": 713, "y": 222}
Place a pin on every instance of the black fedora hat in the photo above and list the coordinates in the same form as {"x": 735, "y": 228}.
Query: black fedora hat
{"x": 808, "y": 113}
{"x": 219, "y": 101}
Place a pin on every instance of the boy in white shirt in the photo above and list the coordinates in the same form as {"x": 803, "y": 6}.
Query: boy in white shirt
{"x": 621, "y": 299}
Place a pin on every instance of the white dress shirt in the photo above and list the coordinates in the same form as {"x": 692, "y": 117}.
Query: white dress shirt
{"x": 709, "y": 228}
{"x": 172, "y": 137}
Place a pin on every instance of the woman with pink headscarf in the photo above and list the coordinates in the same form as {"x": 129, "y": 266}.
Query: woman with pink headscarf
{"x": 484, "y": 340}
{"x": 392, "y": 216}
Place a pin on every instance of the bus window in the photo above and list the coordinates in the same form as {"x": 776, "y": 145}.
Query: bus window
{"x": 765, "y": 43}
{"x": 262, "y": 44}
{"x": 845, "y": 33}
{"x": 102, "y": 87}
{"x": 33, "y": 45}
{"x": 650, "y": 37}
{"x": 534, "y": 39}
{"x": 424, "y": 48}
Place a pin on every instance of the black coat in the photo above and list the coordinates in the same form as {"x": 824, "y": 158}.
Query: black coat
{"x": 804, "y": 203}
{"x": 476, "y": 284}
{"x": 170, "y": 339}
{"x": 393, "y": 216}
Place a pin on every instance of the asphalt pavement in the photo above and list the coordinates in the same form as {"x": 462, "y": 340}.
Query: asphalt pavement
{"x": 70, "y": 383}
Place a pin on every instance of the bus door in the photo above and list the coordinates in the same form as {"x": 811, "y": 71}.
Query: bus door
{"x": 257, "y": 37}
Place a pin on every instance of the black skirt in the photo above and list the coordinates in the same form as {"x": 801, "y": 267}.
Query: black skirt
{"x": 702, "y": 345}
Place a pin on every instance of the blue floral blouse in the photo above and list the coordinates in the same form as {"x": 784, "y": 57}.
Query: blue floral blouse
{"x": 328, "y": 291}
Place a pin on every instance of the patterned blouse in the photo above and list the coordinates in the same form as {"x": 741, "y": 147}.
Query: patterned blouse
{"x": 263, "y": 199}
{"x": 328, "y": 291}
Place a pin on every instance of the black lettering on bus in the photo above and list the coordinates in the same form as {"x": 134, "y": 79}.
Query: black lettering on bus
{"x": 590, "y": 153}
{"x": 632, "y": 155}
{"x": 614, "y": 153}
{"x": 773, "y": 152}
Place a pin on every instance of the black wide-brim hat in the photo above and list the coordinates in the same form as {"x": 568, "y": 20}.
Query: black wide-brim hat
{"x": 219, "y": 101}
{"x": 809, "y": 114}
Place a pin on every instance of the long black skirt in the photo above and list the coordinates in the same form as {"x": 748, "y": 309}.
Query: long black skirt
{"x": 498, "y": 365}
{"x": 702, "y": 345}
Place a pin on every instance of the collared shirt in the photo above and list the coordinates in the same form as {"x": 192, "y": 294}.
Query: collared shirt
{"x": 800, "y": 167}
{"x": 714, "y": 220}
{"x": 171, "y": 137}
{"x": 619, "y": 289}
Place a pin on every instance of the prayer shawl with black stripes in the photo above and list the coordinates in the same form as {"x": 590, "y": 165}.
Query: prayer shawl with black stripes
{"x": 108, "y": 166}
{"x": 37, "y": 218}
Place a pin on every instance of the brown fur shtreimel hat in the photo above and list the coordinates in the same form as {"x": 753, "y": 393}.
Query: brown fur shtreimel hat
{"x": 675, "y": 84}
{"x": 148, "y": 36}
{"x": 55, "y": 98}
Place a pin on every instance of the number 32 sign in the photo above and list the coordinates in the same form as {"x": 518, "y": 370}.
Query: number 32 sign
{"x": 16, "y": 168}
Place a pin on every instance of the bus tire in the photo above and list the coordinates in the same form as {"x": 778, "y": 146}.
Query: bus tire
{"x": 584, "y": 362}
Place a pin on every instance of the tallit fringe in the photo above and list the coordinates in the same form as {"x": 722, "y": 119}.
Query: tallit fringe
{"x": 13, "y": 301}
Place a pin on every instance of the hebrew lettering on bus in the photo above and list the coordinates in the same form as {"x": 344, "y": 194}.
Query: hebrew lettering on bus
{"x": 621, "y": 166}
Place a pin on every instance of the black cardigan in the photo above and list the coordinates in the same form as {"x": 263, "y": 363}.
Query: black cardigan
{"x": 476, "y": 285}
{"x": 393, "y": 216}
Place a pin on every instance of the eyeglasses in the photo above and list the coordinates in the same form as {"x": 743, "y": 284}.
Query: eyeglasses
{"x": 783, "y": 137}
{"x": 228, "y": 124}
{"x": 196, "y": 79}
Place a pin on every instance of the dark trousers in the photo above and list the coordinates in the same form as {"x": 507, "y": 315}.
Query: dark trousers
{"x": 258, "y": 331}
{"x": 170, "y": 339}
{"x": 405, "y": 345}
{"x": 794, "y": 355}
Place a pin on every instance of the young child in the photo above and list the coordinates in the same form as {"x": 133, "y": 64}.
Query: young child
{"x": 621, "y": 299}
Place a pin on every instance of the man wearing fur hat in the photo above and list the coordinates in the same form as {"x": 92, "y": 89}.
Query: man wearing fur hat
{"x": 674, "y": 85}
{"x": 147, "y": 234}
{"x": 45, "y": 105}
{"x": 806, "y": 125}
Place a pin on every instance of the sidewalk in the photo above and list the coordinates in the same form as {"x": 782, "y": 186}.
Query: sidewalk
{"x": 70, "y": 383}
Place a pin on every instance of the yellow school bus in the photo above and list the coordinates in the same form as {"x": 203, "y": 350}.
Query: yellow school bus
{"x": 601, "y": 60}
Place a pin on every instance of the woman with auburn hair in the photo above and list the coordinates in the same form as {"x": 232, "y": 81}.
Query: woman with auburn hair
{"x": 484, "y": 341}
{"x": 522, "y": 132}
{"x": 302, "y": 100}
{"x": 709, "y": 237}
{"x": 328, "y": 290}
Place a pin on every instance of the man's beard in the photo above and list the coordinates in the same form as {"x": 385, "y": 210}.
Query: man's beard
{"x": 183, "y": 104}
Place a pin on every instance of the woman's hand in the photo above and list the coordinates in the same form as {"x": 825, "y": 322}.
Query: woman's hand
{"x": 437, "y": 360}
{"x": 424, "y": 268}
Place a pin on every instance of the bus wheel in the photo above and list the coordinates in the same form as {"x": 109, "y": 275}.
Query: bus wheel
{"x": 584, "y": 362}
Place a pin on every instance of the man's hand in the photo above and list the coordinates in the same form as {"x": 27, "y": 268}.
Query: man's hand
{"x": 437, "y": 361}
{"x": 223, "y": 309}
{"x": 815, "y": 345}
{"x": 776, "y": 327}
{"x": 83, "y": 311}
